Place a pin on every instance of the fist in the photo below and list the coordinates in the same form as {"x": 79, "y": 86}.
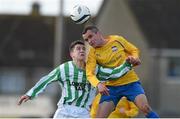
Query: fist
{"x": 133, "y": 60}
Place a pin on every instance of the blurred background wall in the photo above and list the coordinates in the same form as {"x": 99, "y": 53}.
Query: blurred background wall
{"x": 29, "y": 50}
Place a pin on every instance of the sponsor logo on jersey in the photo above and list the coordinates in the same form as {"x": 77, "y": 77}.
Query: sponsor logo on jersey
{"x": 114, "y": 48}
{"x": 78, "y": 85}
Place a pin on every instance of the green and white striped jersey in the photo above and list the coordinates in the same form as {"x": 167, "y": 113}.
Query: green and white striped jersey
{"x": 76, "y": 90}
{"x": 104, "y": 74}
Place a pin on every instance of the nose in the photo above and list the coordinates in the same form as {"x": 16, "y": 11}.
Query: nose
{"x": 82, "y": 50}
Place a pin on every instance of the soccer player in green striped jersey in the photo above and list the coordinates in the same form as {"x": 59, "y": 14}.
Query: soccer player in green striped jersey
{"x": 77, "y": 93}
{"x": 76, "y": 90}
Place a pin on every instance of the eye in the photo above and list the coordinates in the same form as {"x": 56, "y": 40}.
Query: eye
{"x": 78, "y": 48}
{"x": 90, "y": 36}
{"x": 84, "y": 48}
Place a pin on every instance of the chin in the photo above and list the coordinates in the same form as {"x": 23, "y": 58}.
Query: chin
{"x": 82, "y": 59}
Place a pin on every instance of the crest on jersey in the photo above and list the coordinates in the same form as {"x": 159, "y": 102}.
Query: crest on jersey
{"x": 114, "y": 48}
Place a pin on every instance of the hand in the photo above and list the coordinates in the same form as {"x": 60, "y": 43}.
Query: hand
{"x": 23, "y": 98}
{"x": 133, "y": 60}
{"x": 103, "y": 90}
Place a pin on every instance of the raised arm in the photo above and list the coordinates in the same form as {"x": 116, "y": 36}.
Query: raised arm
{"x": 40, "y": 86}
{"x": 131, "y": 50}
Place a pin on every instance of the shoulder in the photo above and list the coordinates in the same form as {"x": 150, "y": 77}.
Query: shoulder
{"x": 65, "y": 63}
{"x": 91, "y": 50}
{"x": 115, "y": 37}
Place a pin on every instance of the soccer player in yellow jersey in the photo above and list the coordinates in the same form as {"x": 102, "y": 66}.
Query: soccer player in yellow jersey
{"x": 111, "y": 52}
{"x": 124, "y": 108}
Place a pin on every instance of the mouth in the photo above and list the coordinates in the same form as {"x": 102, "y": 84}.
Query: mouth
{"x": 82, "y": 54}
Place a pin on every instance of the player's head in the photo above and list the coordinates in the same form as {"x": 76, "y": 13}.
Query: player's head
{"x": 77, "y": 50}
{"x": 92, "y": 35}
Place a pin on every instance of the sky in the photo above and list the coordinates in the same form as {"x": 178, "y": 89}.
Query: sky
{"x": 48, "y": 7}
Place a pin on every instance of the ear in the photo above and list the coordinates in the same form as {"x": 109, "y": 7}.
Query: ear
{"x": 71, "y": 54}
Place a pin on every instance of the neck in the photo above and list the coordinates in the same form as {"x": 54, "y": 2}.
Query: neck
{"x": 79, "y": 63}
{"x": 103, "y": 42}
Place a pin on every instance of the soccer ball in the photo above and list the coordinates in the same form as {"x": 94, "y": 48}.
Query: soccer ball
{"x": 80, "y": 14}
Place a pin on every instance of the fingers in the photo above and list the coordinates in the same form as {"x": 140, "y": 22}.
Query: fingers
{"x": 23, "y": 98}
{"x": 106, "y": 91}
{"x": 133, "y": 60}
{"x": 103, "y": 89}
{"x": 137, "y": 63}
{"x": 20, "y": 101}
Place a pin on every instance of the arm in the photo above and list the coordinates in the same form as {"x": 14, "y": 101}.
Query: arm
{"x": 40, "y": 86}
{"x": 105, "y": 74}
{"x": 90, "y": 68}
{"x": 91, "y": 75}
{"x": 131, "y": 50}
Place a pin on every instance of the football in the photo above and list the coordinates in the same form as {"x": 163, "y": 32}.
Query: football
{"x": 80, "y": 14}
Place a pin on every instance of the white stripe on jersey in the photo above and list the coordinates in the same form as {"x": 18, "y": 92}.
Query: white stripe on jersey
{"x": 64, "y": 91}
{"x": 71, "y": 79}
{"x": 105, "y": 70}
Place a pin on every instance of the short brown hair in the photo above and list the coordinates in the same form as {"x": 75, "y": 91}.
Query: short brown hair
{"x": 74, "y": 43}
{"x": 90, "y": 27}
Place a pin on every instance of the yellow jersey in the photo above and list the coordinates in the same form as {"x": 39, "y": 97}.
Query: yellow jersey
{"x": 111, "y": 55}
